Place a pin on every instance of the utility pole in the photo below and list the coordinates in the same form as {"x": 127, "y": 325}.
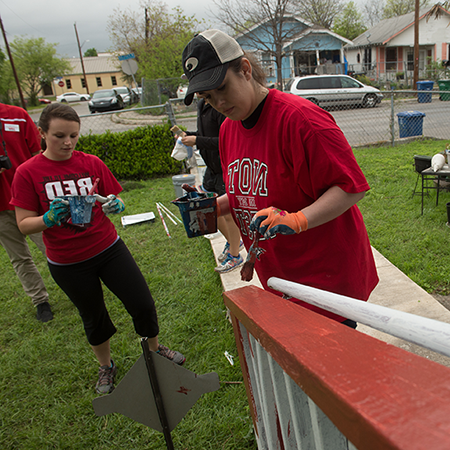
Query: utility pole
{"x": 22, "y": 100}
{"x": 416, "y": 46}
{"x": 81, "y": 58}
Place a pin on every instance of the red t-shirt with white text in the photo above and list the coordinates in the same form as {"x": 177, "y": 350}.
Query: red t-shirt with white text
{"x": 291, "y": 156}
{"x": 39, "y": 180}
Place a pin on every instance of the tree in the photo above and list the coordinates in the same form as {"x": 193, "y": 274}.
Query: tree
{"x": 349, "y": 23}
{"x": 373, "y": 11}
{"x": 270, "y": 26}
{"x": 319, "y": 12}
{"x": 7, "y": 84}
{"x": 155, "y": 36}
{"x": 36, "y": 64}
{"x": 394, "y": 8}
{"x": 90, "y": 52}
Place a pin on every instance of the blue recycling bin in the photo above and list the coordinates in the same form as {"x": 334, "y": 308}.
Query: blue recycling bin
{"x": 410, "y": 123}
{"x": 424, "y": 86}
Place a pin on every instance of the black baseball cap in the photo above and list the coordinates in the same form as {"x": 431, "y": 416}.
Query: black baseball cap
{"x": 205, "y": 61}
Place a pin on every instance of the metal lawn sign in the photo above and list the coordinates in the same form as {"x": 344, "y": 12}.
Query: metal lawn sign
{"x": 156, "y": 392}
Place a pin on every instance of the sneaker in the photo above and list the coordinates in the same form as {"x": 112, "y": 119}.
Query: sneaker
{"x": 223, "y": 256}
{"x": 106, "y": 375}
{"x": 171, "y": 355}
{"x": 230, "y": 263}
{"x": 44, "y": 312}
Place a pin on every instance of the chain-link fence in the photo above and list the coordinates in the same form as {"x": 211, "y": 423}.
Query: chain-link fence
{"x": 400, "y": 115}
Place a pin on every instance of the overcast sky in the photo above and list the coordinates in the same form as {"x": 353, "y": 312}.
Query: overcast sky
{"x": 54, "y": 20}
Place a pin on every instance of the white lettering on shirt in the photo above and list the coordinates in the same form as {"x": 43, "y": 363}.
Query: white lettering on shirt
{"x": 81, "y": 186}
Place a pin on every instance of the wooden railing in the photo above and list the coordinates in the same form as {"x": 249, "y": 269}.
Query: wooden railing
{"x": 315, "y": 383}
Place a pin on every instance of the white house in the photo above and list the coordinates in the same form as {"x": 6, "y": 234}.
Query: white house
{"x": 387, "y": 49}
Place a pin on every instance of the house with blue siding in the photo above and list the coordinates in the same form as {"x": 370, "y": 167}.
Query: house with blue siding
{"x": 306, "y": 49}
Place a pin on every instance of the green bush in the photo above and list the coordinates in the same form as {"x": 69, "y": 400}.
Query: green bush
{"x": 141, "y": 153}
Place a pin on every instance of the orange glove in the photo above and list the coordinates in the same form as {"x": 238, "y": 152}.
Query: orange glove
{"x": 270, "y": 221}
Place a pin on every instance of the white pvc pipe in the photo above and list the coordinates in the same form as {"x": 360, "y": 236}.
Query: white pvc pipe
{"x": 428, "y": 333}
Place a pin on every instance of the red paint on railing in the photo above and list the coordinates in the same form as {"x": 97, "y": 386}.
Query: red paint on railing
{"x": 379, "y": 396}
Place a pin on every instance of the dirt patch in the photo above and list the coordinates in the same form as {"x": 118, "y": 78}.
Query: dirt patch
{"x": 444, "y": 300}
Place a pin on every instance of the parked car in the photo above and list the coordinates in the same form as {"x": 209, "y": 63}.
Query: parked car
{"x": 334, "y": 90}
{"x": 44, "y": 101}
{"x": 72, "y": 97}
{"x": 106, "y": 100}
{"x": 181, "y": 92}
{"x": 137, "y": 91}
{"x": 126, "y": 94}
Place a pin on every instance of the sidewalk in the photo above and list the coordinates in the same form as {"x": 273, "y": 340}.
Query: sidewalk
{"x": 395, "y": 290}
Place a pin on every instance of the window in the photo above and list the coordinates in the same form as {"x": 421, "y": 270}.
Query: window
{"x": 68, "y": 84}
{"x": 308, "y": 83}
{"x": 113, "y": 81}
{"x": 358, "y": 58}
{"x": 99, "y": 81}
{"x": 330, "y": 83}
{"x": 83, "y": 82}
{"x": 410, "y": 58}
{"x": 348, "y": 83}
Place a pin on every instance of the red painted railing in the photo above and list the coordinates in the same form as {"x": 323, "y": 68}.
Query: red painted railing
{"x": 375, "y": 395}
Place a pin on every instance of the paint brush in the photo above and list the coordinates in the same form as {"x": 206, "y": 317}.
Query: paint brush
{"x": 94, "y": 186}
{"x": 162, "y": 219}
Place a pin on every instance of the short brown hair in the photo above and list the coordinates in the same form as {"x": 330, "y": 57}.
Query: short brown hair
{"x": 56, "y": 111}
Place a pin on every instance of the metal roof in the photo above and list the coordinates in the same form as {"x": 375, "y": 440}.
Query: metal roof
{"x": 387, "y": 29}
{"x": 95, "y": 64}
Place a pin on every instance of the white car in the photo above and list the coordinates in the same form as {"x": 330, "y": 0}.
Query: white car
{"x": 334, "y": 90}
{"x": 72, "y": 97}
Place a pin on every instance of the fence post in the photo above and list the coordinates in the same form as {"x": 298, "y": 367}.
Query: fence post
{"x": 392, "y": 120}
{"x": 170, "y": 113}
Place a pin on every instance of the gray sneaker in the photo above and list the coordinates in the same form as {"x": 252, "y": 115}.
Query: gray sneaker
{"x": 106, "y": 375}
{"x": 230, "y": 263}
{"x": 171, "y": 355}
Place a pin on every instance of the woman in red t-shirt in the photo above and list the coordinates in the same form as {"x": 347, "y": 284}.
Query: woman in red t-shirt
{"x": 81, "y": 257}
{"x": 289, "y": 173}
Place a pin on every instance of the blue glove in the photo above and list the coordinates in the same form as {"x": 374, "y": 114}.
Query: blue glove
{"x": 59, "y": 209}
{"x": 114, "y": 206}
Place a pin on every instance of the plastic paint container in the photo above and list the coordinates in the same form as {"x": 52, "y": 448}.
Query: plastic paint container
{"x": 198, "y": 212}
{"x": 80, "y": 207}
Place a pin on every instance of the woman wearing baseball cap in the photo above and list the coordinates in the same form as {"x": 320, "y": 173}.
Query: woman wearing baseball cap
{"x": 289, "y": 173}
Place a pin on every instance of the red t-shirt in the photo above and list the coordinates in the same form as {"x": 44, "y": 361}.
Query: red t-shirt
{"x": 292, "y": 156}
{"x": 39, "y": 180}
{"x": 22, "y": 140}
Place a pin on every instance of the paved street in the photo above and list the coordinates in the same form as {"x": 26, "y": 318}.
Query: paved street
{"x": 361, "y": 126}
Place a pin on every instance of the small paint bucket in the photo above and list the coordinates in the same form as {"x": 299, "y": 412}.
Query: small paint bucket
{"x": 80, "y": 207}
{"x": 198, "y": 212}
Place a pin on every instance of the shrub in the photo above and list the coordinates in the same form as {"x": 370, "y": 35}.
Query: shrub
{"x": 141, "y": 153}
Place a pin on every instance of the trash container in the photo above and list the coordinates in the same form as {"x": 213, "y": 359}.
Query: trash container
{"x": 178, "y": 180}
{"x": 444, "y": 85}
{"x": 410, "y": 123}
{"x": 424, "y": 86}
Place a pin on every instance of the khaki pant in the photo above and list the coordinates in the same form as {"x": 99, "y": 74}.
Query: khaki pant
{"x": 16, "y": 246}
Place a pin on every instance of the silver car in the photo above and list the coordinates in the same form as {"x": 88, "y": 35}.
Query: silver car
{"x": 334, "y": 90}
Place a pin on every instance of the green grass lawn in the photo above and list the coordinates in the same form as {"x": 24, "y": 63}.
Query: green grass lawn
{"x": 48, "y": 371}
{"x": 418, "y": 245}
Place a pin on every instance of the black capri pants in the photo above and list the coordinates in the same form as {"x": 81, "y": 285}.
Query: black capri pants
{"x": 117, "y": 268}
